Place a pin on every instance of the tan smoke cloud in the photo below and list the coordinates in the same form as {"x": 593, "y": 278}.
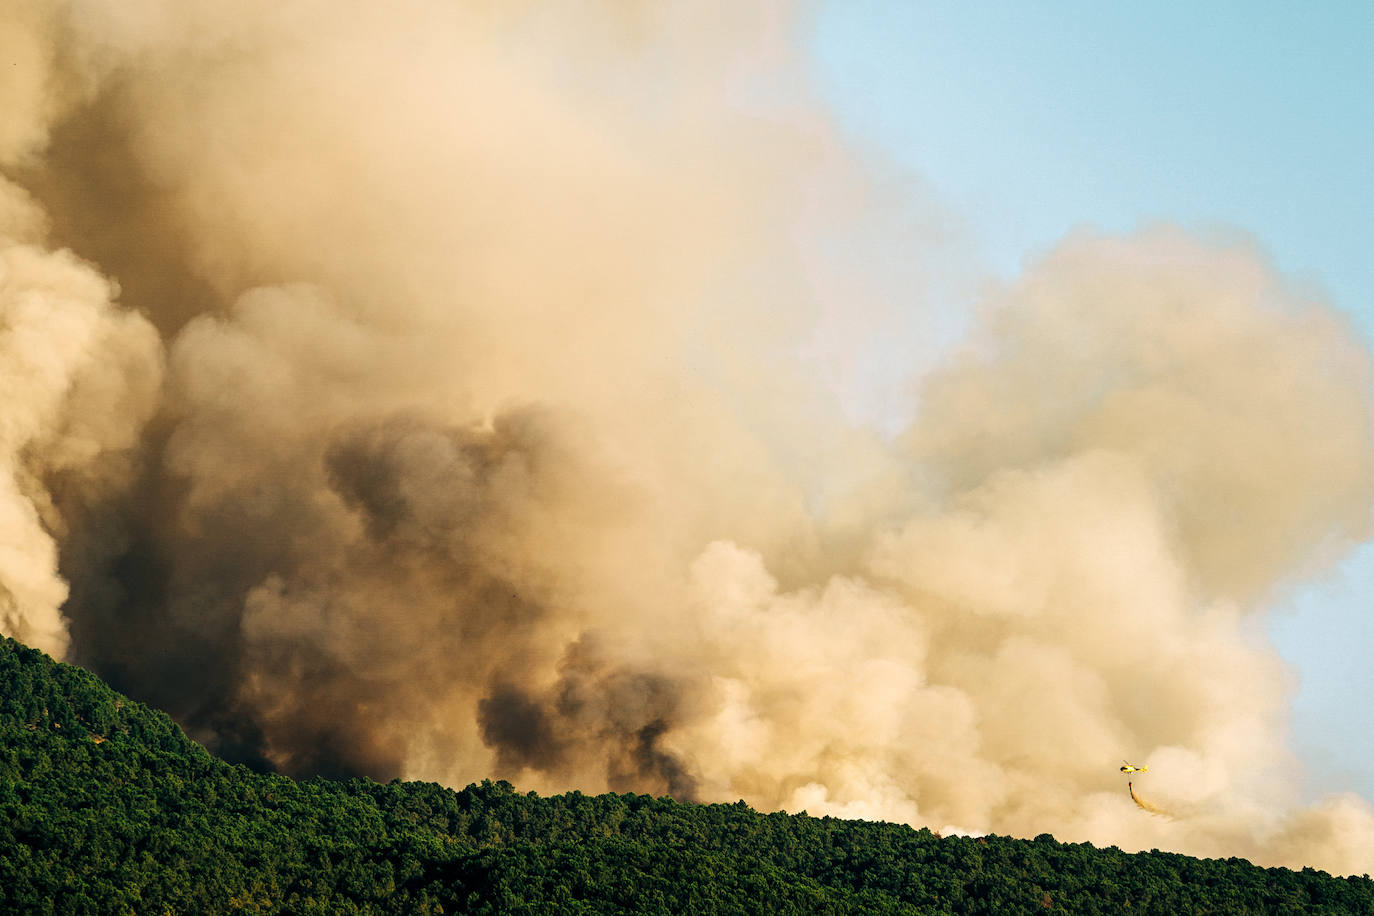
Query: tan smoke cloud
{"x": 28, "y": 94}
{"x": 78, "y": 378}
{"x": 497, "y": 435}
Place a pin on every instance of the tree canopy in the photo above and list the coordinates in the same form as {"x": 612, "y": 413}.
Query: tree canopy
{"x": 107, "y": 807}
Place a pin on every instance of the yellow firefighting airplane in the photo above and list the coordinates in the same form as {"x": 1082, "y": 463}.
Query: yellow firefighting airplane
{"x": 1131, "y": 768}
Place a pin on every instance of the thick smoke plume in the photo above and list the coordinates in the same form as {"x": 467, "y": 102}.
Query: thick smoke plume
{"x": 447, "y": 390}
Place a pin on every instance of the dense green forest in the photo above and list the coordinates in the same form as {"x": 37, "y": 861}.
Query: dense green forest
{"x": 106, "y": 807}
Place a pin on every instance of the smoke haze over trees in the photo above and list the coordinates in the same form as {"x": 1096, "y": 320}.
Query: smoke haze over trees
{"x": 450, "y": 391}
{"x": 105, "y": 806}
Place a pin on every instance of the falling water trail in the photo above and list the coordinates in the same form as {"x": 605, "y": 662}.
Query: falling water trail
{"x": 1144, "y": 805}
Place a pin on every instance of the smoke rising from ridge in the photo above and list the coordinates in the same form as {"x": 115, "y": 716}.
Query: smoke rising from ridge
{"x": 429, "y": 403}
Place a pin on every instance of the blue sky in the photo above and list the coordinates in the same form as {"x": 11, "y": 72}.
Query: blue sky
{"x": 1030, "y": 119}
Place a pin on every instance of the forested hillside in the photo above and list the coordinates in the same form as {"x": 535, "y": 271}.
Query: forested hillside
{"x": 106, "y": 807}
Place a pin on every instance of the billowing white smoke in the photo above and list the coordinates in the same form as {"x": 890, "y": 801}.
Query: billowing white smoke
{"x": 484, "y": 447}
{"x": 78, "y": 377}
{"x": 1148, "y": 437}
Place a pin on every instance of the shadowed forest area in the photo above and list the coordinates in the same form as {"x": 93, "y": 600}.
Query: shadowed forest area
{"x": 107, "y": 807}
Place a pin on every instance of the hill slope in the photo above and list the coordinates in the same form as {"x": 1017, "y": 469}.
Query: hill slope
{"x": 106, "y": 807}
